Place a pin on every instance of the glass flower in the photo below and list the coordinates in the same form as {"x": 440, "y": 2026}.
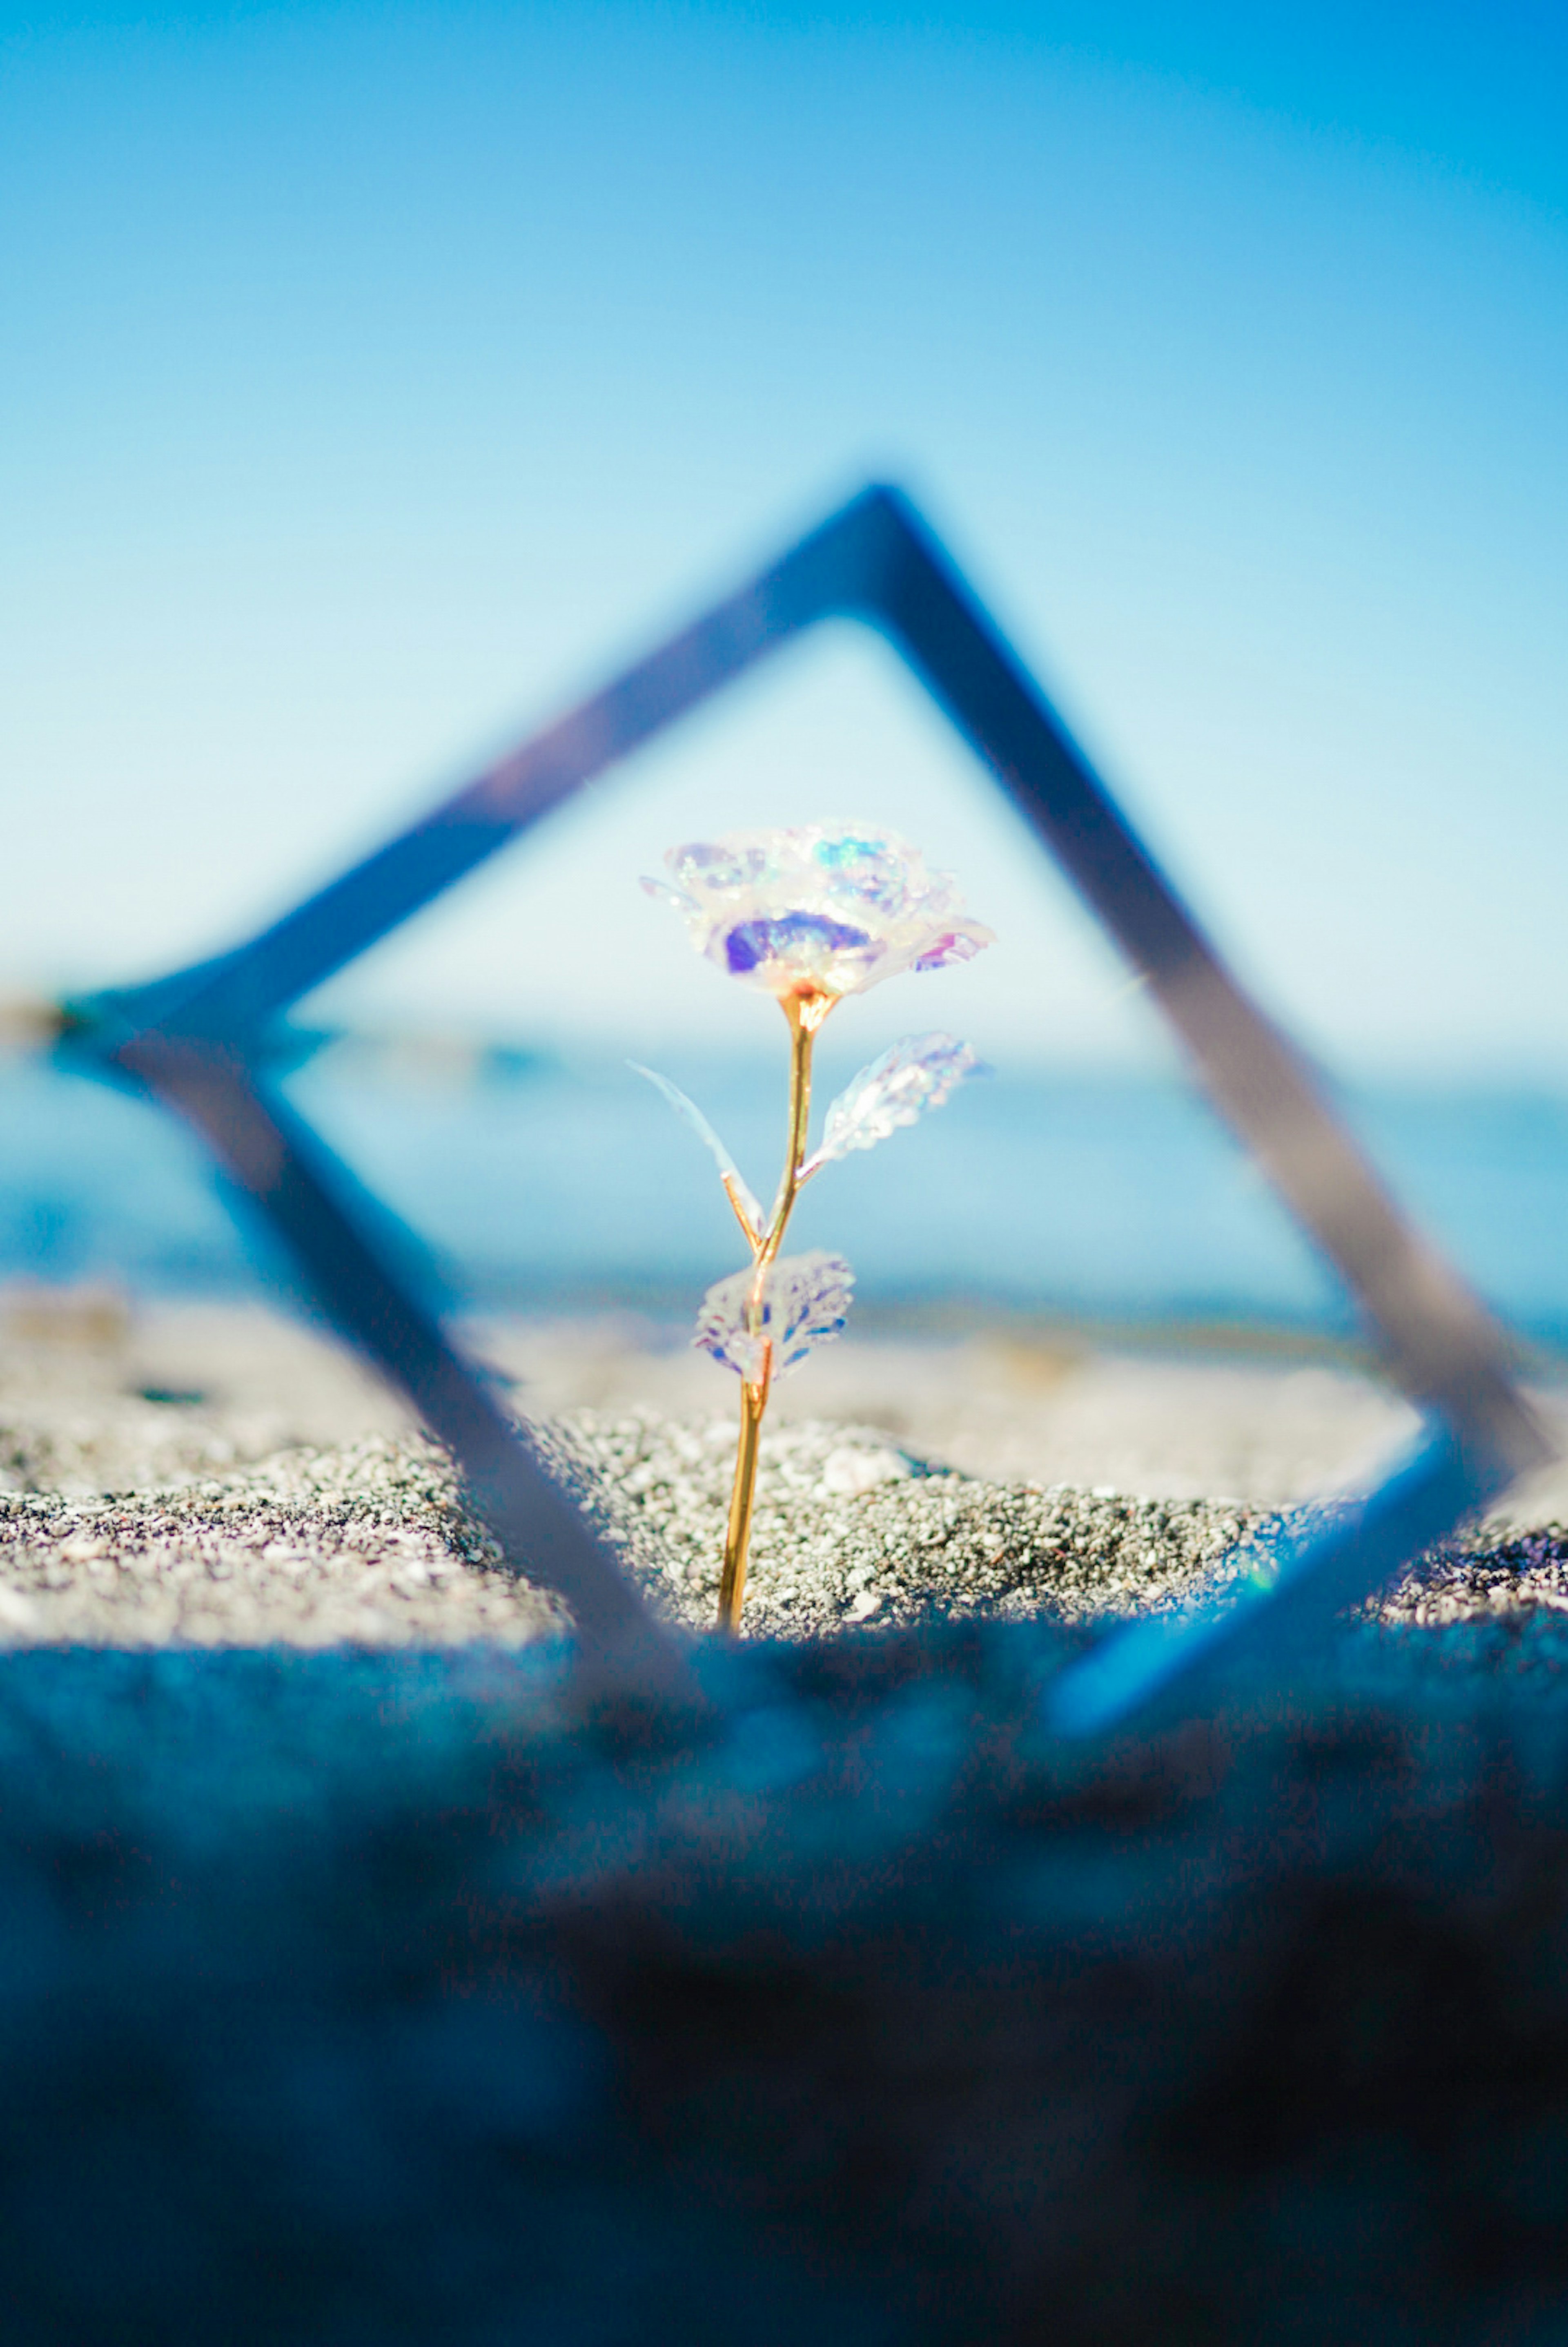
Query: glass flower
{"x": 817, "y": 910}
{"x": 807, "y": 915}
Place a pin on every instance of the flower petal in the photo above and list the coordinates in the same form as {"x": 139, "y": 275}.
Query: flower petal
{"x": 917, "y": 1072}
{"x": 663, "y": 894}
{"x": 720, "y": 865}
{"x": 961, "y": 943}
{"x": 730, "y": 1173}
{"x": 834, "y": 908}
{"x": 805, "y": 1303}
{"x": 805, "y": 945}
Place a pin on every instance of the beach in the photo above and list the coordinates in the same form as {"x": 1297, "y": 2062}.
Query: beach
{"x": 209, "y": 1474}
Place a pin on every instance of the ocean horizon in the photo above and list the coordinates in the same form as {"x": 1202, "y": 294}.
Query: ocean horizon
{"x": 565, "y": 1183}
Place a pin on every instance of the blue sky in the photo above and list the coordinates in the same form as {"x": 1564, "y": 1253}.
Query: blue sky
{"x": 374, "y": 379}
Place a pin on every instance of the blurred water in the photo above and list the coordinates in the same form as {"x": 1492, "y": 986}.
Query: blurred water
{"x": 1111, "y": 1198}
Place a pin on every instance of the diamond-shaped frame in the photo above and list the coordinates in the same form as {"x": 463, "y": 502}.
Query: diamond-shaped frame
{"x": 197, "y": 1040}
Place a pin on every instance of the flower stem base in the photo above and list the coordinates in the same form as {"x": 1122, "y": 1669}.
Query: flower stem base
{"x": 743, "y": 1494}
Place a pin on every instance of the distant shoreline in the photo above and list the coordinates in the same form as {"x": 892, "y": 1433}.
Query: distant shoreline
{"x": 663, "y": 1309}
{"x": 1105, "y": 1212}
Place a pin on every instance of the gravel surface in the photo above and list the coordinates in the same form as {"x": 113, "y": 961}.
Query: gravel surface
{"x": 369, "y": 1543}
{"x": 849, "y": 1528}
{"x": 366, "y": 1544}
{"x": 219, "y": 1478}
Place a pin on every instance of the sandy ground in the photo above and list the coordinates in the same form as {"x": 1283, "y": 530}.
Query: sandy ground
{"x": 94, "y": 1398}
{"x": 209, "y": 1475}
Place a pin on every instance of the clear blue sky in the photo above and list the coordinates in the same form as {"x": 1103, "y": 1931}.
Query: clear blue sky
{"x": 374, "y": 377}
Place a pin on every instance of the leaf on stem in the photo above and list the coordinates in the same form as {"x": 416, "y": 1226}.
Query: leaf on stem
{"x": 917, "y": 1072}
{"x": 749, "y": 1213}
{"x": 805, "y": 1303}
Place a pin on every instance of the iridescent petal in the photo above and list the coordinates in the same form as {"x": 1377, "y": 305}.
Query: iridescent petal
{"x": 720, "y": 865}
{"x": 806, "y": 942}
{"x": 917, "y": 1072}
{"x": 867, "y": 868}
{"x": 831, "y": 908}
{"x": 663, "y": 894}
{"x": 730, "y": 1173}
{"x": 805, "y": 1303}
{"x": 957, "y": 945}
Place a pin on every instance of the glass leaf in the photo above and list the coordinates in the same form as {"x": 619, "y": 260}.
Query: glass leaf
{"x": 805, "y": 1303}
{"x": 917, "y": 1072}
{"x": 729, "y": 1172}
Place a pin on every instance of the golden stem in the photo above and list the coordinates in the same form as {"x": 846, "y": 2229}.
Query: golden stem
{"x": 802, "y": 1035}
{"x": 743, "y": 1493}
{"x": 805, "y": 1014}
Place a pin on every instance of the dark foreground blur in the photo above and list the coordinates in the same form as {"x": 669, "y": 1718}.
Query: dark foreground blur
{"x": 352, "y": 1999}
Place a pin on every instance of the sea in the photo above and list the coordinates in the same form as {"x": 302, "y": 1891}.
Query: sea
{"x": 544, "y": 1183}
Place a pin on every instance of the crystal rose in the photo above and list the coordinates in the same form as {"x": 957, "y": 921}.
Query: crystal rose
{"x": 817, "y": 910}
{"x": 807, "y": 915}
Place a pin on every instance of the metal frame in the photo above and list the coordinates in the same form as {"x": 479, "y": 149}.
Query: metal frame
{"x": 196, "y": 1041}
